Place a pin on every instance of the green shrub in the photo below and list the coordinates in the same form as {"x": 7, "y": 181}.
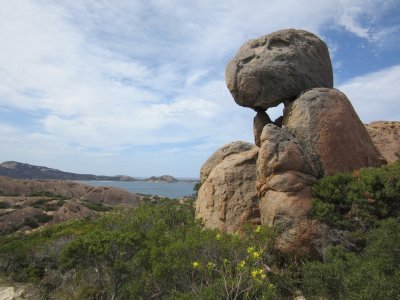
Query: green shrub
{"x": 4, "y": 205}
{"x": 96, "y": 206}
{"x": 44, "y": 218}
{"x": 358, "y": 201}
{"x": 373, "y": 274}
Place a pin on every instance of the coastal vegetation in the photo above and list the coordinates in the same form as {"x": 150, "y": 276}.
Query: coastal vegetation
{"x": 160, "y": 251}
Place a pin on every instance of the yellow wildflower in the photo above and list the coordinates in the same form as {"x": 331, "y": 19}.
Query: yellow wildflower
{"x": 258, "y": 229}
{"x": 242, "y": 264}
{"x": 256, "y": 254}
{"x": 196, "y": 264}
{"x": 218, "y": 237}
{"x": 250, "y": 250}
{"x": 254, "y": 273}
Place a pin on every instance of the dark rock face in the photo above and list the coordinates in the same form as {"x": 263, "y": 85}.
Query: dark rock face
{"x": 325, "y": 123}
{"x": 278, "y": 67}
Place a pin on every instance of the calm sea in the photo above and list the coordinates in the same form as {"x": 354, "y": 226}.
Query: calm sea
{"x": 170, "y": 190}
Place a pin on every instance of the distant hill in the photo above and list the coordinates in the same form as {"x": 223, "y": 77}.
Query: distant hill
{"x": 19, "y": 170}
{"x": 163, "y": 178}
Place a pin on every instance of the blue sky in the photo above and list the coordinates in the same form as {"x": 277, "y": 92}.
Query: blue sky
{"x": 138, "y": 88}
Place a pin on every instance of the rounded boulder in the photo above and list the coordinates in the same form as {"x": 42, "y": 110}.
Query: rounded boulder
{"x": 278, "y": 67}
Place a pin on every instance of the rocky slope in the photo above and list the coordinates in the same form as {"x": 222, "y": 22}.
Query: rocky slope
{"x": 19, "y": 170}
{"x": 27, "y": 204}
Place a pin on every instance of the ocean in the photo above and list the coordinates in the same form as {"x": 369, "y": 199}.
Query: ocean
{"x": 170, "y": 190}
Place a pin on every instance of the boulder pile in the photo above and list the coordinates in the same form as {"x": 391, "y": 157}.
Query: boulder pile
{"x": 319, "y": 134}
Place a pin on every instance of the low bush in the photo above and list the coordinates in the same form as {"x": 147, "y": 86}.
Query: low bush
{"x": 357, "y": 201}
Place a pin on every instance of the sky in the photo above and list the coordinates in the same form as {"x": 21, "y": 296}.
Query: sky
{"x": 137, "y": 87}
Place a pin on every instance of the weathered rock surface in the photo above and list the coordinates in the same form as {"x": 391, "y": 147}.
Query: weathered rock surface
{"x": 325, "y": 123}
{"x": 278, "y": 67}
{"x": 106, "y": 195}
{"x": 22, "y": 187}
{"x": 19, "y": 218}
{"x": 260, "y": 120}
{"x": 72, "y": 210}
{"x": 284, "y": 178}
{"x": 27, "y": 204}
{"x": 228, "y": 199}
{"x": 386, "y": 137}
{"x": 219, "y": 155}
{"x": 111, "y": 196}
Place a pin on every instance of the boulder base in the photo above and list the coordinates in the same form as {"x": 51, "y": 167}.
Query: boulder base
{"x": 228, "y": 198}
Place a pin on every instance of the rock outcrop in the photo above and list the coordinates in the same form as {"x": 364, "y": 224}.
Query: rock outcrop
{"x": 278, "y": 67}
{"x": 332, "y": 134}
{"x": 284, "y": 179}
{"x": 219, "y": 155}
{"x": 27, "y": 204}
{"x": 228, "y": 198}
{"x": 73, "y": 210}
{"x": 386, "y": 137}
{"x": 319, "y": 134}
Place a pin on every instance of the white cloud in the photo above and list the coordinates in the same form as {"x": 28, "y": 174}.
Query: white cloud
{"x": 375, "y": 96}
{"x": 363, "y": 18}
{"x": 106, "y": 76}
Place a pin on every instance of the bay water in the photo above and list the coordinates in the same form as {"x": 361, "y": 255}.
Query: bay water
{"x": 171, "y": 190}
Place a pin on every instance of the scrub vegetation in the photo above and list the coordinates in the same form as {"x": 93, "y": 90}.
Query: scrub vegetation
{"x": 159, "y": 251}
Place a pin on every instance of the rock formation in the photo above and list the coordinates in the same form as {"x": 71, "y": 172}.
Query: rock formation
{"x": 278, "y": 67}
{"x": 219, "y": 155}
{"x": 284, "y": 179}
{"x": 386, "y": 137}
{"x": 318, "y": 135}
{"x": 331, "y": 132}
{"x": 227, "y": 199}
{"x": 260, "y": 120}
{"x": 27, "y": 204}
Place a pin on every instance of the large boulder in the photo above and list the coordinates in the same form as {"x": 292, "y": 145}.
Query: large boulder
{"x": 325, "y": 123}
{"x": 278, "y": 67}
{"x": 219, "y": 155}
{"x": 228, "y": 198}
{"x": 386, "y": 137}
{"x": 284, "y": 178}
